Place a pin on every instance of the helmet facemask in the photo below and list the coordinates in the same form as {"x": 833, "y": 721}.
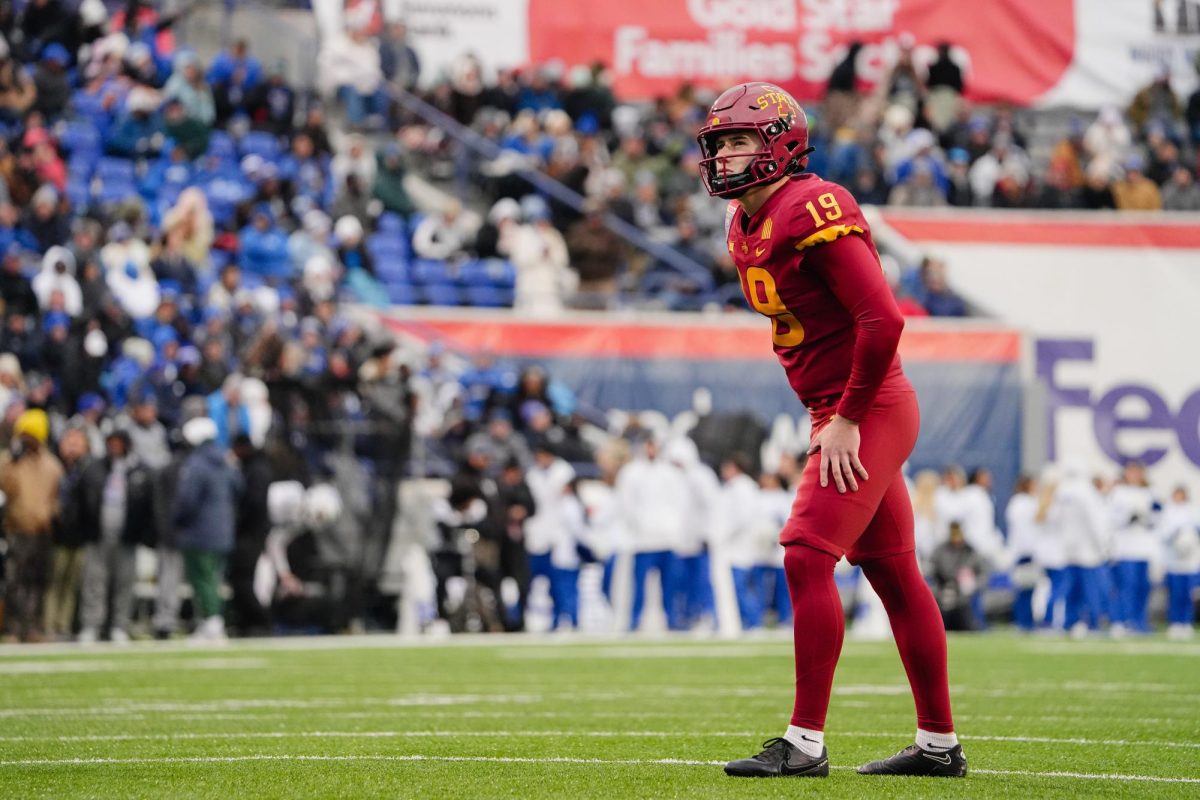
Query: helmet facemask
{"x": 766, "y": 165}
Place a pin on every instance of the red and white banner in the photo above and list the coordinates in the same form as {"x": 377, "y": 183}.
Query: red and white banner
{"x": 1109, "y": 301}
{"x": 1083, "y": 53}
{"x": 653, "y": 47}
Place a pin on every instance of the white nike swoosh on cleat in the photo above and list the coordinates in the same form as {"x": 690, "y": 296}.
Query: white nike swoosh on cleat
{"x": 940, "y": 759}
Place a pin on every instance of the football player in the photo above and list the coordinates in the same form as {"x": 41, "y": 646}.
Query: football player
{"x": 807, "y": 262}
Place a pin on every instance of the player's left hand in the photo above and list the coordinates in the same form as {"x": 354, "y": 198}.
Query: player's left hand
{"x": 838, "y": 443}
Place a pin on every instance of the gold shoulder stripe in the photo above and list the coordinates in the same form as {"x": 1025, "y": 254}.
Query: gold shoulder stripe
{"x": 828, "y": 235}
{"x": 766, "y": 229}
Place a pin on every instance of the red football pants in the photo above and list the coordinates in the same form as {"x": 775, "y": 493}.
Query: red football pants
{"x": 874, "y": 528}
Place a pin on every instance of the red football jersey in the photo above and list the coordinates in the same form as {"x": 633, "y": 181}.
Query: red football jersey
{"x": 817, "y": 306}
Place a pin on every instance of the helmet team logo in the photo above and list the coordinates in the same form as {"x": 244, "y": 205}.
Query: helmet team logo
{"x": 785, "y": 104}
{"x": 760, "y": 111}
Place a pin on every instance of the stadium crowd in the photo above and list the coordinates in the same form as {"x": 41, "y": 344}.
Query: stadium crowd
{"x": 184, "y": 247}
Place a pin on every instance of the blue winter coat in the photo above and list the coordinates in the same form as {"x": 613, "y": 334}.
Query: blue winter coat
{"x": 206, "y": 501}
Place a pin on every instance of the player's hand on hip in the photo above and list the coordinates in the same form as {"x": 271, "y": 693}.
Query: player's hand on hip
{"x": 838, "y": 444}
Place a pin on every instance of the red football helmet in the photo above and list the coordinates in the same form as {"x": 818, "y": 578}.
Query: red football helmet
{"x": 766, "y": 111}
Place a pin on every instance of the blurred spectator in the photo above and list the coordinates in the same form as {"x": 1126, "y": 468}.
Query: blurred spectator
{"x": 918, "y": 189}
{"x": 117, "y": 494}
{"x": 945, "y": 89}
{"x": 29, "y": 477}
{"x": 15, "y": 289}
{"x": 397, "y": 59}
{"x": 904, "y": 85}
{"x": 1181, "y": 192}
{"x": 841, "y": 92}
{"x": 250, "y": 537}
{"x": 958, "y": 178}
{"x": 1004, "y": 164}
{"x": 187, "y": 85}
{"x": 1106, "y": 141}
{"x": 1097, "y": 192}
{"x": 1179, "y": 530}
{"x": 188, "y": 132}
{"x": 654, "y": 495}
{"x": 188, "y": 226}
{"x": 147, "y": 437}
{"x": 389, "y": 188}
{"x": 58, "y": 275}
{"x": 126, "y": 262}
{"x": 263, "y": 246}
{"x": 205, "y": 519}
{"x": 444, "y": 236}
{"x": 351, "y": 245}
{"x": 52, "y": 81}
{"x": 17, "y": 88}
{"x": 1156, "y": 102}
{"x": 271, "y": 103}
{"x": 1192, "y": 112}
{"x": 233, "y": 60}
{"x": 934, "y": 292}
{"x": 67, "y": 570}
{"x": 46, "y": 220}
{"x": 348, "y": 66}
{"x": 1134, "y": 191}
{"x": 137, "y": 132}
{"x": 539, "y": 254}
{"x": 958, "y": 574}
{"x": 596, "y": 257}
{"x": 551, "y": 552}
{"x": 1068, "y": 157}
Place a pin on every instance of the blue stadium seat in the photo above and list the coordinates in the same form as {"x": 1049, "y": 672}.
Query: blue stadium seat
{"x": 403, "y": 294}
{"x": 489, "y": 297}
{"x": 116, "y": 190}
{"x": 386, "y": 246}
{"x": 218, "y": 259}
{"x": 441, "y": 295}
{"x": 393, "y": 271}
{"x": 428, "y": 272}
{"x": 111, "y": 168}
{"x": 491, "y": 272}
{"x": 260, "y": 143}
{"x": 503, "y": 273}
{"x": 79, "y": 194}
{"x": 393, "y": 223}
{"x": 221, "y": 145}
{"x": 80, "y": 136}
{"x": 81, "y": 165}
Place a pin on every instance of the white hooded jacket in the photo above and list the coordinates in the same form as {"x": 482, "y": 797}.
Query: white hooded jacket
{"x": 48, "y": 281}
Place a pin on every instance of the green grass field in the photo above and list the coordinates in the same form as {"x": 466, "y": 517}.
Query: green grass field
{"x": 550, "y": 717}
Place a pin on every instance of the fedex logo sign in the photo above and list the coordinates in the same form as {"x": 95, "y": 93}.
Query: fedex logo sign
{"x": 1124, "y": 407}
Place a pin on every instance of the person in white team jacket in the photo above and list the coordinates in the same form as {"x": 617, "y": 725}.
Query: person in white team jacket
{"x": 1179, "y": 531}
{"x": 546, "y": 531}
{"x": 1135, "y": 547}
{"x": 654, "y": 496}
{"x": 1079, "y": 515}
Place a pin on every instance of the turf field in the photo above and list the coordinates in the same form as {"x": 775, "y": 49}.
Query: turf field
{"x": 550, "y": 717}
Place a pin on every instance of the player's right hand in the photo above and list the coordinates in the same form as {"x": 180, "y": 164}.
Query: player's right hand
{"x": 838, "y": 443}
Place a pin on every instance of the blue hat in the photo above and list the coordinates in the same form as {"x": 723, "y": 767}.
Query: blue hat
{"x": 162, "y": 336}
{"x": 89, "y": 402}
{"x": 265, "y": 210}
{"x": 213, "y": 312}
{"x": 55, "y": 319}
{"x": 188, "y": 354}
{"x": 56, "y": 52}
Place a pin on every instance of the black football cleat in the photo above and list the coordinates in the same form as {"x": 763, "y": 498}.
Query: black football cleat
{"x": 780, "y": 759}
{"x": 913, "y": 760}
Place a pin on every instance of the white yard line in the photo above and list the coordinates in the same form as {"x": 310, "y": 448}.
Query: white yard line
{"x": 62, "y": 762}
{"x": 507, "y": 734}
